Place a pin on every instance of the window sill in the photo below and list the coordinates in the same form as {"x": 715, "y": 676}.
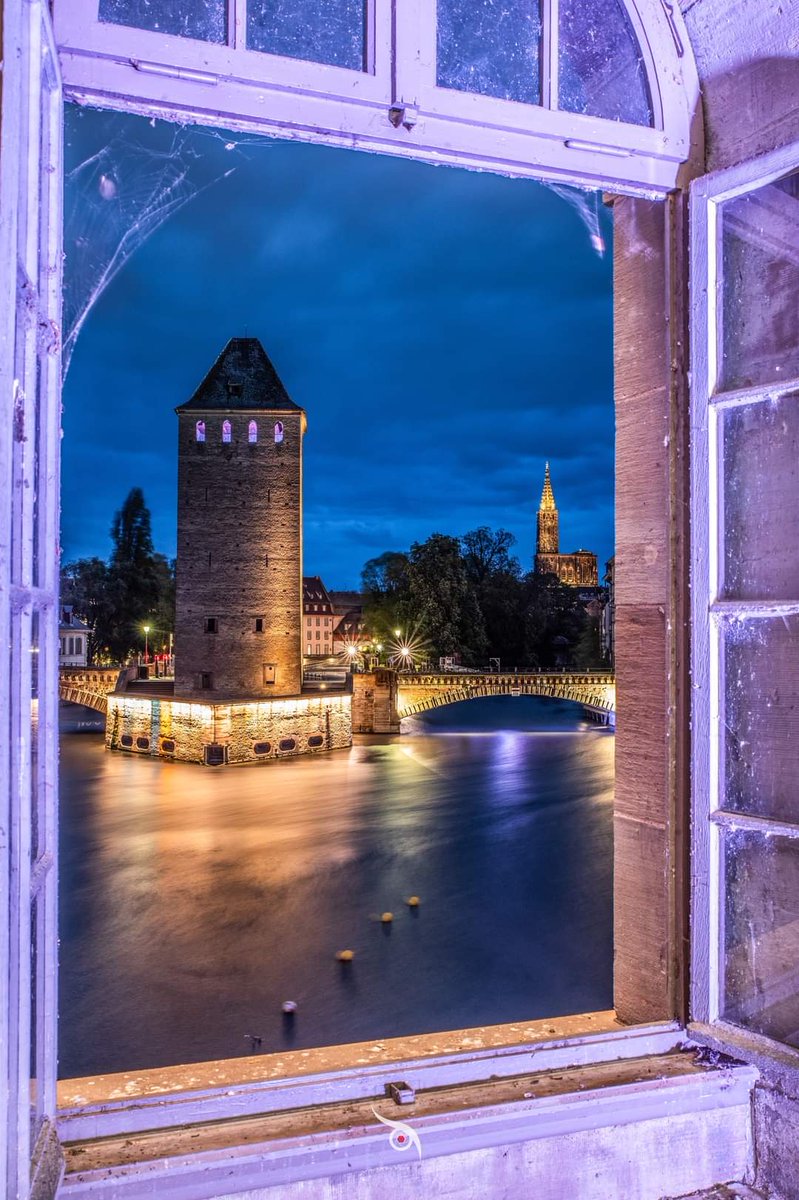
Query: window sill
{"x": 613, "y": 1115}
{"x": 107, "y": 1105}
{"x": 778, "y": 1064}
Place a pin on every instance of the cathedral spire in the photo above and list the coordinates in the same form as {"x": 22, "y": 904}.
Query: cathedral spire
{"x": 547, "y": 496}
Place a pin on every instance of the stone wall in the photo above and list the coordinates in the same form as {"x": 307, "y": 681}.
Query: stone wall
{"x": 374, "y": 702}
{"x": 239, "y": 557}
{"x": 245, "y": 732}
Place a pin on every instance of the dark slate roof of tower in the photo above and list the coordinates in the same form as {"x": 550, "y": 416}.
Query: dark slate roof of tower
{"x": 241, "y": 378}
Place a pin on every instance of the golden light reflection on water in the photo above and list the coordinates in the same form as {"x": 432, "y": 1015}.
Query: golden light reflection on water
{"x": 195, "y": 902}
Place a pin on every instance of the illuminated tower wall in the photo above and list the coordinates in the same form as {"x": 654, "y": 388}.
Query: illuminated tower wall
{"x": 238, "y": 620}
{"x": 547, "y": 544}
{"x": 578, "y": 569}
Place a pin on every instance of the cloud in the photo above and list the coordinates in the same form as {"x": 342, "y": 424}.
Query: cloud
{"x": 446, "y": 332}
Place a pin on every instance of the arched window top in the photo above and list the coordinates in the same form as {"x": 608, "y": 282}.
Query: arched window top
{"x": 252, "y": 432}
{"x": 595, "y": 65}
{"x": 278, "y": 431}
{"x": 227, "y": 431}
{"x": 199, "y": 431}
{"x": 601, "y": 93}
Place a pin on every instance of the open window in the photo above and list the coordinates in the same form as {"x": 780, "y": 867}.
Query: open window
{"x": 30, "y": 245}
{"x": 401, "y": 89}
{"x": 579, "y": 92}
{"x": 745, "y": 434}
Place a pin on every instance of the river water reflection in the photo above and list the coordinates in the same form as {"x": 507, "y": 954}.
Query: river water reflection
{"x": 194, "y": 902}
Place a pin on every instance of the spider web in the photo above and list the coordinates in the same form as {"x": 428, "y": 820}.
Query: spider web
{"x": 121, "y": 194}
{"x": 114, "y": 201}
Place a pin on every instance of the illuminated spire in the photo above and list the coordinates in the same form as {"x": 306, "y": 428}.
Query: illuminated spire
{"x": 547, "y": 496}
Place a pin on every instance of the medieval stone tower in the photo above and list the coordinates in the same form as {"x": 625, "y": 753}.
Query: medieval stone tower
{"x": 238, "y": 620}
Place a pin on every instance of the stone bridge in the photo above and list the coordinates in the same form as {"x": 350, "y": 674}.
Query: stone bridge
{"x": 593, "y": 689}
{"x": 380, "y": 699}
{"x": 88, "y": 685}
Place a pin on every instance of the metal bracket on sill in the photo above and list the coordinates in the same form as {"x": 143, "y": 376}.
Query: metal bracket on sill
{"x": 406, "y": 115}
{"x": 400, "y": 1092}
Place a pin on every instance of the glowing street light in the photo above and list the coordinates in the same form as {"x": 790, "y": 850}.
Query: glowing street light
{"x": 146, "y": 635}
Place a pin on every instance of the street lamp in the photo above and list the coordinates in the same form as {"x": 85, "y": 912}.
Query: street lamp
{"x": 397, "y": 633}
{"x": 146, "y": 635}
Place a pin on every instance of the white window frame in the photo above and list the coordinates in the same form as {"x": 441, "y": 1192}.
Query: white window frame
{"x": 709, "y": 401}
{"x": 30, "y": 371}
{"x": 395, "y": 107}
{"x": 167, "y": 76}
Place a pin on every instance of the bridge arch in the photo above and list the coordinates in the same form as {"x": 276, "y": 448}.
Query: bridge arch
{"x": 421, "y": 693}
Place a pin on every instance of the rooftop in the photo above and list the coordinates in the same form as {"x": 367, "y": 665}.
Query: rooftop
{"x": 242, "y": 378}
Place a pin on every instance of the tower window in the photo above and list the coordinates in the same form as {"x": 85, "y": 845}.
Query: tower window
{"x": 278, "y": 431}
{"x": 252, "y": 432}
{"x": 211, "y": 625}
{"x": 234, "y": 389}
{"x": 205, "y": 680}
{"x": 259, "y": 624}
{"x": 199, "y": 431}
{"x": 227, "y": 431}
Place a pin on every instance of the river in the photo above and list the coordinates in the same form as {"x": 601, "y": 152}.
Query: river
{"x": 194, "y": 902}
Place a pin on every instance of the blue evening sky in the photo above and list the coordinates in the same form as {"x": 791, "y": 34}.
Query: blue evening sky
{"x": 445, "y": 331}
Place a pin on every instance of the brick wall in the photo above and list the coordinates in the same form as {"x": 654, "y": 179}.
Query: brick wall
{"x": 239, "y": 557}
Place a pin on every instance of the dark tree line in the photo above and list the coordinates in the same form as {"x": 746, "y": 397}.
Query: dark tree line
{"x": 134, "y": 588}
{"x": 469, "y": 596}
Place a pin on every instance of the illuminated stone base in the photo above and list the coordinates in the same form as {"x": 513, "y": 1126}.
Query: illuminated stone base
{"x": 232, "y": 733}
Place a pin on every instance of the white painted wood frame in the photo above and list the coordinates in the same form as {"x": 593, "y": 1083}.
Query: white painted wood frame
{"x": 709, "y": 402}
{"x": 394, "y": 106}
{"x": 30, "y": 251}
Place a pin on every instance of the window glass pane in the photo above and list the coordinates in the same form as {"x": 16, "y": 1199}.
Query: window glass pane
{"x": 201, "y": 19}
{"x": 759, "y": 284}
{"x": 760, "y": 445}
{"x": 761, "y": 933}
{"x": 490, "y": 47}
{"x": 761, "y": 695}
{"x": 324, "y": 31}
{"x": 600, "y": 68}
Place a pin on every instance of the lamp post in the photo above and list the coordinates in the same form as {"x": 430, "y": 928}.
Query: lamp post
{"x": 146, "y": 648}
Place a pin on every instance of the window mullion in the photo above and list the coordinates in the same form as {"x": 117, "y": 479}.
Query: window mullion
{"x": 413, "y": 57}
{"x": 549, "y": 53}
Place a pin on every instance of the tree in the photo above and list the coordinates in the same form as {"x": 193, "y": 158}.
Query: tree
{"x": 385, "y": 583}
{"x": 442, "y": 599}
{"x": 486, "y": 552}
{"x": 84, "y": 585}
{"x": 135, "y": 588}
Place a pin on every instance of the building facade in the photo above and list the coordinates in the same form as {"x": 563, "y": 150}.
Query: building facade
{"x": 318, "y": 618}
{"x": 73, "y": 638}
{"x": 238, "y": 620}
{"x": 578, "y": 569}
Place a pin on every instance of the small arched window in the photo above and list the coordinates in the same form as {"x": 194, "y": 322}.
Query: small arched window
{"x": 278, "y": 431}
{"x": 252, "y": 432}
{"x": 227, "y": 431}
{"x": 199, "y": 431}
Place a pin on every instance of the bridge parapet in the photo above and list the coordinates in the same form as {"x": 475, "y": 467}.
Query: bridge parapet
{"x": 89, "y": 686}
{"x": 418, "y": 693}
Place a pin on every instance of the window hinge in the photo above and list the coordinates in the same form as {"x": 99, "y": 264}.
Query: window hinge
{"x": 403, "y": 114}
{"x": 150, "y": 68}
